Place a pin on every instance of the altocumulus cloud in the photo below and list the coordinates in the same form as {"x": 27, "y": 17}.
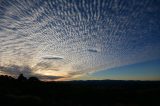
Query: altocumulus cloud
{"x": 76, "y": 37}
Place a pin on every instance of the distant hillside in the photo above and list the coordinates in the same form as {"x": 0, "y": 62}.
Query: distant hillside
{"x": 23, "y": 91}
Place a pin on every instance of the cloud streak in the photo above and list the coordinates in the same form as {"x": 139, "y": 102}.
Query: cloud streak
{"x": 53, "y": 57}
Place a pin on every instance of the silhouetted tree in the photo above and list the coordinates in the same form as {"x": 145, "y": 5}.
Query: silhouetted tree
{"x": 6, "y": 77}
{"x": 22, "y": 78}
{"x": 33, "y": 79}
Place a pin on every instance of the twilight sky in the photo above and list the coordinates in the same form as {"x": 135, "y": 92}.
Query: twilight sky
{"x": 80, "y": 39}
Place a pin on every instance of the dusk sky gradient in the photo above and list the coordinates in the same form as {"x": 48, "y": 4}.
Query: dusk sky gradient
{"x": 80, "y": 39}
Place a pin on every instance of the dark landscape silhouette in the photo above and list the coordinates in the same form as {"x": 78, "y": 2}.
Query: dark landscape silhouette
{"x": 32, "y": 91}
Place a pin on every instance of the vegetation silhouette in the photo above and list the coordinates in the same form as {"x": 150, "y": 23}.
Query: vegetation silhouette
{"x": 32, "y": 91}
{"x": 22, "y": 78}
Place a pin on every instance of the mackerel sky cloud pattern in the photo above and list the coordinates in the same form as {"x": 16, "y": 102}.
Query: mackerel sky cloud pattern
{"x": 68, "y": 38}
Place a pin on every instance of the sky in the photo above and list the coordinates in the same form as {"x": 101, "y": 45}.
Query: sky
{"x": 80, "y": 39}
{"x": 149, "y": 71}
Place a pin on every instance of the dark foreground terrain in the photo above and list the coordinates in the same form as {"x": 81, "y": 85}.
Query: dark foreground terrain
{"x": 78, "y": 93}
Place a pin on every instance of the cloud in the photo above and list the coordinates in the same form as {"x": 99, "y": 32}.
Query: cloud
{"x": 15, "y": 71}
{"x": 93, "y": 50}
{"x": 43, "y": 65}
{"x": 53, "y": 57}
{"x": 49, "y": 78}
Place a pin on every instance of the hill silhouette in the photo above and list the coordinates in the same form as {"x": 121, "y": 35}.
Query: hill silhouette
{"x": 32, "y": 91}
